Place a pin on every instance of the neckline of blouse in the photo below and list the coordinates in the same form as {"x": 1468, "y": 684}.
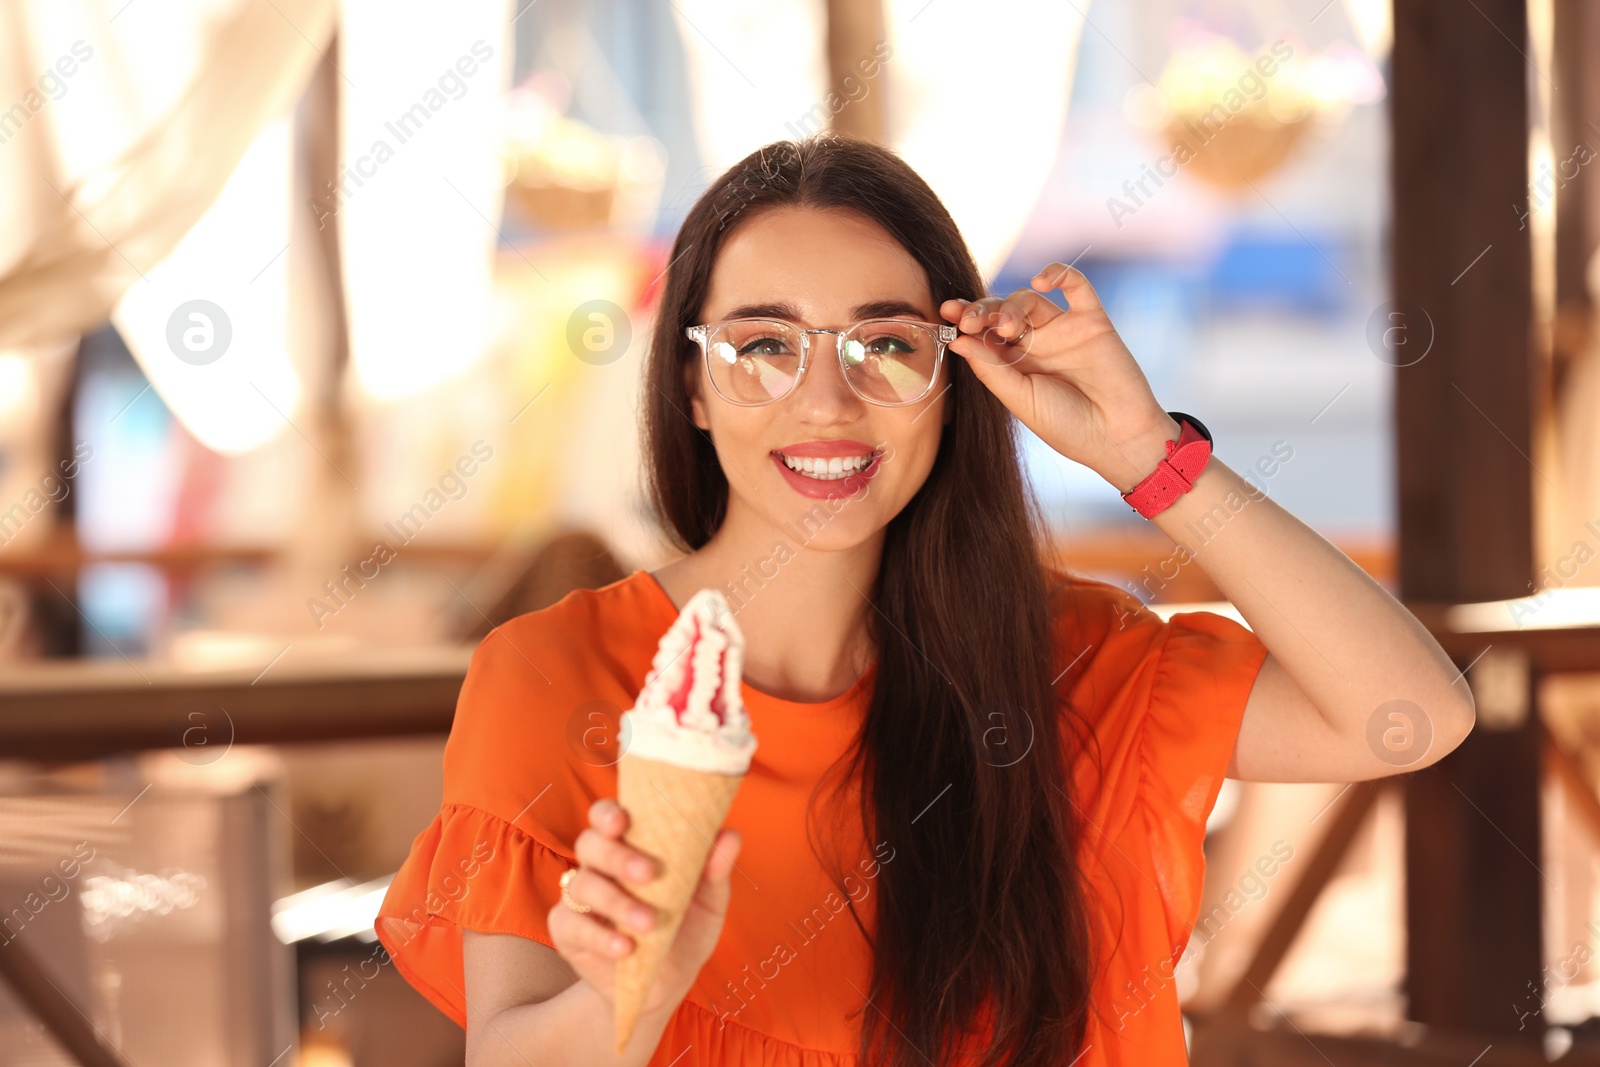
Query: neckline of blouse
{"x": 752, "y": 696}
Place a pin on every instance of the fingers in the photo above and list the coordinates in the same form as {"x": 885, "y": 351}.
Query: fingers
{"x": 1072, "y": 283}
{"x": 604, "y": 862}
{"x": 980, "y": 322}
{"x": 997, "y": 369}
{"x": 1005, "y": 315}
{"x": 980, "y": 315}
{"x": 954, "y": 308}
{"x": 601, "y": 847}
{"x": 714, "y": 889}
{"x": 575, "y": 933}
{"x": 994, "y": 337}
{"x": 610, "y": 900}
{"x": 1001, "y": 321}
{"x": 724, "y": 854}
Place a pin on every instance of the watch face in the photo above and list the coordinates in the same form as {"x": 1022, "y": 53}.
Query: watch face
{"x": 1200, "y": 427}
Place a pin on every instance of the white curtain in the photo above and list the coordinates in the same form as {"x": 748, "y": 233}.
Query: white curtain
{"x": 419, "y": 209}
{"x": 123, "y": 124}
{"x": 147, "y": 175}
{"x": 1002, "y": 79}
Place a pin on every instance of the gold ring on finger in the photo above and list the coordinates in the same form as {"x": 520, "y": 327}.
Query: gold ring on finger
{"x": 566, "y": 892}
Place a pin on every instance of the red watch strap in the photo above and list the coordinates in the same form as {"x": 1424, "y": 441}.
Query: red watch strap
{"x": 1173, "y": 476}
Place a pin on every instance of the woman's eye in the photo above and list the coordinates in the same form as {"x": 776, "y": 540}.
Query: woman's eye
{"x": 763, "y": 346}
{"x": 888, "y": 346}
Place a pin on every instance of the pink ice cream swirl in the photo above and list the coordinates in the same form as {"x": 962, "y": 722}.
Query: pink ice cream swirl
{"x": 690, "y": 711}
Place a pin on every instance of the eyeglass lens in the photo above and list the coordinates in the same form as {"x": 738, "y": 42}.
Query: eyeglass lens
{"x": 757, "y": 361}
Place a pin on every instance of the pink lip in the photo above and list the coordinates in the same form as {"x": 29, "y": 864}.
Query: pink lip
{"x": 827, "y": 449}
{"x": 836, "y": 488}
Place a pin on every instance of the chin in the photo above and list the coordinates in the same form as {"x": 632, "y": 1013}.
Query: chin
{"x": 835, "y": 540}
{"x": 828, "y": 525}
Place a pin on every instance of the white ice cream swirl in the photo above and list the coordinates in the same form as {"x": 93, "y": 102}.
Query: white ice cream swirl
{"x": 698, "y": 737}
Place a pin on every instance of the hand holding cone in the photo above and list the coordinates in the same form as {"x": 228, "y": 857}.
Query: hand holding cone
{"x": 686, "y": 747}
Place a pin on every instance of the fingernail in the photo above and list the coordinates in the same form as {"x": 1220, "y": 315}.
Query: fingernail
{"x": 640, "y": 918}
{"x": 639, "y": 870}
{"x": 619, "y": 945}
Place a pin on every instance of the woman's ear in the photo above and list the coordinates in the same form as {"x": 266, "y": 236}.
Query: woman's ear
{"x": 691, "y": 386}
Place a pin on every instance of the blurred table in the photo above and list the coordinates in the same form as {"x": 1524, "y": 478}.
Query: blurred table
{"x": 85, "y": 709}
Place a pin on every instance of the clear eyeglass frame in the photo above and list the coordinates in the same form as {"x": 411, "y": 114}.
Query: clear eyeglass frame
{"x": 943, "y": 334}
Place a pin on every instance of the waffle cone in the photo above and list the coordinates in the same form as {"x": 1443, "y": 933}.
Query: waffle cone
{"x": 674, "y": 814}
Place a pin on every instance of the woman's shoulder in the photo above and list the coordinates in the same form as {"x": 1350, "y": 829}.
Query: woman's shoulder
{"x": 544, "y": 695}
{"x": 1121, "y": 653}
{"x": 614, "y": 619}
{"x": 587, "y": 640}
{"x": 1098, "y": 619}
{"x": 1162, "y": 697}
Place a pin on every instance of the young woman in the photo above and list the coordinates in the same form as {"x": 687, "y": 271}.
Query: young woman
{"x": 973, "y": 829}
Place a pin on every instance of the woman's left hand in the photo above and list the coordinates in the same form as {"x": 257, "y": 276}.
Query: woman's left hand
{"x": 1071, "y": 380}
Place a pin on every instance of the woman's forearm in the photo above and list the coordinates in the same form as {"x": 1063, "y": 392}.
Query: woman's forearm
{"x": 576, "y": 1026}
{"x": 1348, "y": 644}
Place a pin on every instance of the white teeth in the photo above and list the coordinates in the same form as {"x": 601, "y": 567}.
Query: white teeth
{"x": 827, "y": 470}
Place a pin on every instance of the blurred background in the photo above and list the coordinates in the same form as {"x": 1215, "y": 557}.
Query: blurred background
{"x": 321, "y": 324}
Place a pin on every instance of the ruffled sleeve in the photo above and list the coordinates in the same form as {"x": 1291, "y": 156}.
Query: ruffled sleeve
{"x": 469, "y": 869}
{"x": 515, "y": 798}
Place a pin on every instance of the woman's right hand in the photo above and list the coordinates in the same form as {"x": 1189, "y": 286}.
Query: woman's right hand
{"x": 593, "y": 942}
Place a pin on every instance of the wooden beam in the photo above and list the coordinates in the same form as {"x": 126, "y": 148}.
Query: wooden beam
{"x": 1475, "y": 883}
{"x": 65, "y": 1021}
{"x": 318, "y": 117}
{"x": 1574, "y": 146}
{"x": 1462, "y": 267}
{"x": 1463, "y": 413}
{"x": 1274, "y": 945}
{"x": 1564, "y": 768}
{"x": 77, "y": 709}
{"x": 1465, "y": 631}
{"x": 855, "y": 29}
{"x": 1286, "y": 1043}
{"x": 74, "y": 711}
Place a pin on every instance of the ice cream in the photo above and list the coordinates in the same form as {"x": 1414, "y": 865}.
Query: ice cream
{"x": 690, "y": 711}
{"x": 686, "y": 746}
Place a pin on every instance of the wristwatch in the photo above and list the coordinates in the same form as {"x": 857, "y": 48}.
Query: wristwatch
{"x": 1175, "y": 475}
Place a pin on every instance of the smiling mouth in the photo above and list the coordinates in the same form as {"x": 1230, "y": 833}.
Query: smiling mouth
{"x": 828, "y": 470}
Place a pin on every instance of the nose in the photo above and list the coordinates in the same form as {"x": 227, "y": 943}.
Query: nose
{"x": 823, "y": 392}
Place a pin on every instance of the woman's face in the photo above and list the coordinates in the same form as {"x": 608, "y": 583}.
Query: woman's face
{"x": 818, "y": 269}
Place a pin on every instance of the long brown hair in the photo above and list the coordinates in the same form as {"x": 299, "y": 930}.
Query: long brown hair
{"x": 981, "y": 913}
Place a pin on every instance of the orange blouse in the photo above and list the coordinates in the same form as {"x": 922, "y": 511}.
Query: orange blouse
{"x": 533, "y": 745}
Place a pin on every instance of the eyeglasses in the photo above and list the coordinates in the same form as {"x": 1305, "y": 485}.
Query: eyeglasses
{"x": 889, "y": 362}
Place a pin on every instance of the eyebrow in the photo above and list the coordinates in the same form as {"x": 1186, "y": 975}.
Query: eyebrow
{"x": 877, "y": 309}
